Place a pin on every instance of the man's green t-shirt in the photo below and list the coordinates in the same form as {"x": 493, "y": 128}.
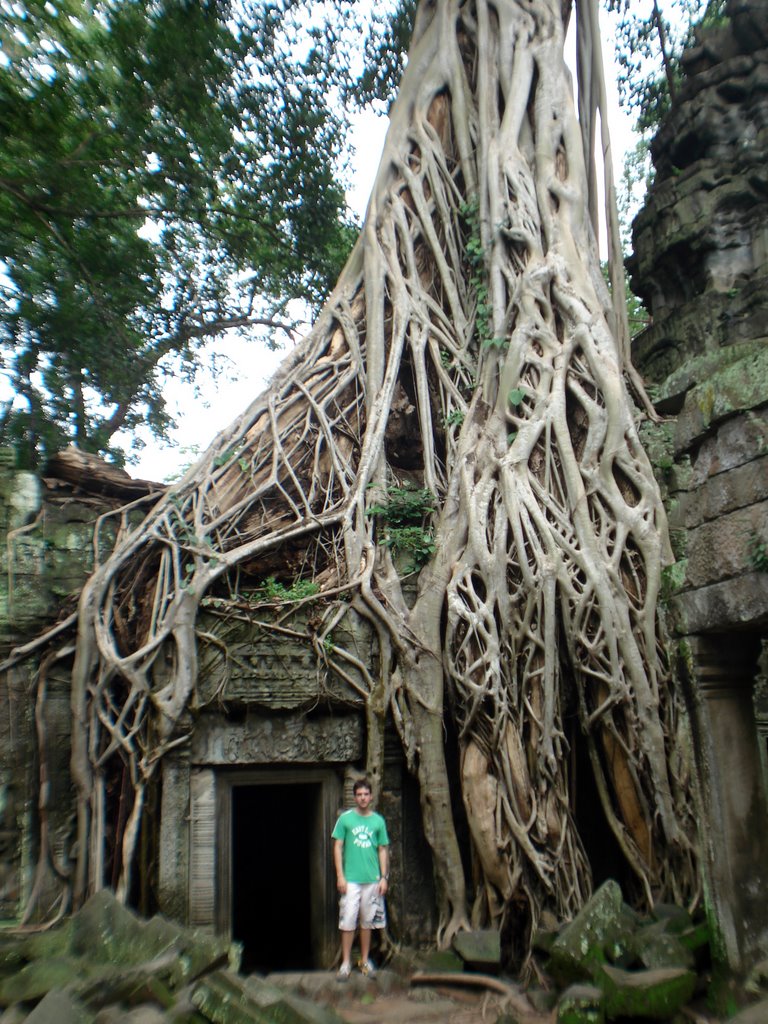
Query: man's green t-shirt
{"x": 362, "y": 836}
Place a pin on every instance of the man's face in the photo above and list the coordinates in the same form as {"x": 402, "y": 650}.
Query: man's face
{"x": 363, "y": 799}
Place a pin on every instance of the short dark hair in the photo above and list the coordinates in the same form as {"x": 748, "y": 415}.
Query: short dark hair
{"x": 362, "y": 784}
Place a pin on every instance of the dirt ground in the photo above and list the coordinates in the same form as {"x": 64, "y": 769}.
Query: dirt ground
{"x": 442, "y": 1007}
{"x": 393, "y": 998}
{"x": 390, "y": 998}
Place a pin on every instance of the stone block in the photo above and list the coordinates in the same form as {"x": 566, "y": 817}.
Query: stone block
{"x": 11, "y": 958}
{"x": 740, "y": 601}
{"x": 59, "y": 1008}
{"x": 129, "y": 986}
{"x": 141, "y": 1015}
{"x": 108, "y": 932}
{"x": 225, "y": 999}
{"x": 738, "y": 388}
{"x": 581, "y": 943}
{"x": 735, "y": 443}
{"x": 480, "y": 950}
{"x": 183, "y": 1010}
{"x": 581, "y": 1004}
{"x": 720, "y": 549}
{"x": 24, "y": 499}
{"x": 656, "y": 994}
{"x": 442, "y": 960}
{"x": 725, "y": 493}
{"x": 38, "y": 978}
{"x": 655, "y": 946}
{"x": 286, "y": 1007}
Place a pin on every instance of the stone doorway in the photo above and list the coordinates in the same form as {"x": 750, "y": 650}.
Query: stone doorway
{"x": 276, "y": 887}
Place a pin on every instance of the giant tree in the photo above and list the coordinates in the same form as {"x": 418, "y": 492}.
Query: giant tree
{"x": 452, "y": 455}
{"x": 168, "y": 171}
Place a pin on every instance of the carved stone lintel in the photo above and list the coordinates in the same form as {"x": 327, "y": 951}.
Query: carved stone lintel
{"x": 292, "y": 739}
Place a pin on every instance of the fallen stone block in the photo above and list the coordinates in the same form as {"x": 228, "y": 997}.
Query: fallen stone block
{"x": 581, "y": 943}
{"x": 581, "y": 1004}
{"x": 654, "y": 946}
{"x": 11, "y": 958}
{"x": 656, "y": 994}
{"x": 184, "y": 1011}
{"x": 224, "y": 999}
{"x": 59, "y": 1007}
{"x": 202, "y": 953}
{"x": 480, "y": 950}
{"x": 442, "y": 961}
{"x": 617, "y": 944}
{"x": 142, "y": 1015}
{"x": 107, "y": 931}
{"x": 38, "y": 978}
{"x": 53, "y": 942}
{"x": 286, "y": 1007}
{"x": 130, "y": 986}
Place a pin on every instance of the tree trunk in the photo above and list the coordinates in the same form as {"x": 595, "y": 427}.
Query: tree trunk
{"x": 466, "y": 351}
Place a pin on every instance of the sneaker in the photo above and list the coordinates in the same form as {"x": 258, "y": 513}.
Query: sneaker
{"x": 367, "y": 969}
{"x": 344, "y": 972}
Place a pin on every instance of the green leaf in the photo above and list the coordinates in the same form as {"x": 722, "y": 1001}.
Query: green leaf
{"x": 516, "y": 396}
{"x": 141, "y": 212}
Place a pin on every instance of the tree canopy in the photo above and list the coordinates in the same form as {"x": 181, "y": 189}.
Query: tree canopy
{"x": 167, "y": 171}
{"x": 650, "y": 38}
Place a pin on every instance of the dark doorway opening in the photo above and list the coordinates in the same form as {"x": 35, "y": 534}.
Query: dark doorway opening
{"x": 600, "y": 844}
{"x": 273, "y": 840}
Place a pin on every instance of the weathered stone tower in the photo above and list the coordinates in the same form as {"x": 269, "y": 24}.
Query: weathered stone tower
{"x": 701, "y": 265}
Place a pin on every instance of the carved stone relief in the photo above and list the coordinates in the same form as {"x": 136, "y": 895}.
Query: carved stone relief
{"x": 277, "y": 740}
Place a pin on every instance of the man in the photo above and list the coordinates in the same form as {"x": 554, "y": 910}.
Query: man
{"x": 361, "y": 858}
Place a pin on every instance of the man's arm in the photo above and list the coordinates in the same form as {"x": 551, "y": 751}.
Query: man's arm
{"x": 338, "y": 860}
{"x": 383, "y": 869}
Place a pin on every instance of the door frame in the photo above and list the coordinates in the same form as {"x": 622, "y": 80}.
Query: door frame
{"x": 323, "y": 912}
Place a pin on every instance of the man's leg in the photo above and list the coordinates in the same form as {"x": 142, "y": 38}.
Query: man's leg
{"x": 346, "y": 945}
{"x": 365, "y": 943}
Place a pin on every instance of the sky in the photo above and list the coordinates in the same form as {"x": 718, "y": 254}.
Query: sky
{"x": 204, "y": 409}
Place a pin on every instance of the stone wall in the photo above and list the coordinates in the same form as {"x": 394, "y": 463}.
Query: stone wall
{"x": 46, "y": 552}
{"x": 266, "y": 714}
{"x": 701, "y": 265}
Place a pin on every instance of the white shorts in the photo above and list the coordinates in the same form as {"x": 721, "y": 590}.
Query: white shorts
{"x": 363, "y": 905}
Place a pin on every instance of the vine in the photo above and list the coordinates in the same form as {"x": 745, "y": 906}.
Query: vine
{"x": 404, "y": 514}
{"x": 757, "y": 552}
{"x": 478, "y": 275}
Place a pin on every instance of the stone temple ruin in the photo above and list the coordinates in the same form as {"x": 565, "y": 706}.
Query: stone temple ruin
{"x": 276, "y": 744}
{"x": 251, "y": 801}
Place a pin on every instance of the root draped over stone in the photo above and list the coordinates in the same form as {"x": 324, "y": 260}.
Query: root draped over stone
{"x": 469, "y": 349}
